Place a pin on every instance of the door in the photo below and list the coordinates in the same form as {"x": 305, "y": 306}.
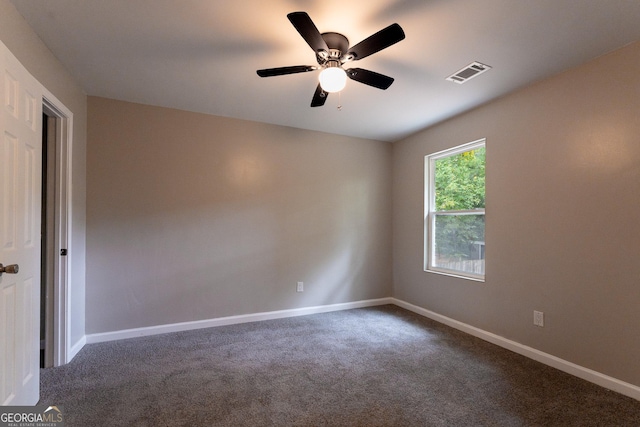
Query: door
{"x": 20, "y": 189}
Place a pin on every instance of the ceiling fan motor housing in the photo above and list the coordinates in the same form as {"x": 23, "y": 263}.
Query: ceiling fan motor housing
{"x": 338, "y": 46}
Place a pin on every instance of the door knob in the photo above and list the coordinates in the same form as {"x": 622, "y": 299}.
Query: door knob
{"x": 9, "y": 269}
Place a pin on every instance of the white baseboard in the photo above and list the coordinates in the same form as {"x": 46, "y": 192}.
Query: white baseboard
{"x": 71, "y": 352}
{"x": 230, "y": 320}
{"x": 587, "y": 374}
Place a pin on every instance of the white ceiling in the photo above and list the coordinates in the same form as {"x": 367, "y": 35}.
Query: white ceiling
{"x": 202, "y": 55}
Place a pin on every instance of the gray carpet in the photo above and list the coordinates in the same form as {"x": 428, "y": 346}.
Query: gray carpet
{"x": 381, "y": 366}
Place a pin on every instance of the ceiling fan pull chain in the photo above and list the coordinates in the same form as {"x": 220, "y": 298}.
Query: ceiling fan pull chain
{"x": 340, "y": 101}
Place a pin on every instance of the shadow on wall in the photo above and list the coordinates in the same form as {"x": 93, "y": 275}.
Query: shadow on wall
{"x": 342, "y": 274}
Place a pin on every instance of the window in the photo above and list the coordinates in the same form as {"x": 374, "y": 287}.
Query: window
{"x": 454, "y": 211}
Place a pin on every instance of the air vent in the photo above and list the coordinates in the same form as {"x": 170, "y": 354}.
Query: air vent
{"x": 468, "y": 72}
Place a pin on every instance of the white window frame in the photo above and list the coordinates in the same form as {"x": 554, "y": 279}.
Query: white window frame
{"x": 430, "y": 213}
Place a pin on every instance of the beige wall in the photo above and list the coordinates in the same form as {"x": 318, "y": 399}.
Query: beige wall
{"x": 35, "y": 57}
{"x": 562, "y": 226}
{"x": 196, "y": 217}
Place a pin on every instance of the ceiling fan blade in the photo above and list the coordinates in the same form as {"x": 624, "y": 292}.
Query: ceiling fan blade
{"x": 308, "y": 30}
{"x": 319, "y": 98}
{"x": 280, "y": 71}
{"x": 370, "y": 78}
{"x": 381, "y": 40}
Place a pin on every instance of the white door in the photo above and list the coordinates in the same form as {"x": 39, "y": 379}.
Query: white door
{"x": 20, "y": 188}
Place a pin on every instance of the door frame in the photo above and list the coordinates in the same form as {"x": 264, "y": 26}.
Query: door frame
{"x": 61, "y": 340}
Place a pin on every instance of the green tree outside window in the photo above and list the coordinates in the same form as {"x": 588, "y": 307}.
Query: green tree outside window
{"x": 459, "y": 211}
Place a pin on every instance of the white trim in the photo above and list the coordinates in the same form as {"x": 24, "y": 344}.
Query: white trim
{"x": 452, "y": 273}
{"x": 448, "y": 152}
{"x": 230, "y": 320}
{"x": 75, "y": 349}
{"x": 587, "y": 374}
{"x": 62, "y": 350}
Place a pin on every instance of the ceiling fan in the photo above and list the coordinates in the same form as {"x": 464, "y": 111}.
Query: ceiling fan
{"x": 332, "y": 52}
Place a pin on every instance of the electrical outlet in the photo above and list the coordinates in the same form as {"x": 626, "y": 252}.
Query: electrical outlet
{"x": 300, "y": 287}
{"x": 538, "y": 318}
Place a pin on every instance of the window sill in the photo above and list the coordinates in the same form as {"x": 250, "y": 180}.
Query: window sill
{"x": 455, "y": 274}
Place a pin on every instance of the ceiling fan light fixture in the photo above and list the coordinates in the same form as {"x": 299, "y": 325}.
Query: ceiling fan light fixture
{"x": 333, "y": 79}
